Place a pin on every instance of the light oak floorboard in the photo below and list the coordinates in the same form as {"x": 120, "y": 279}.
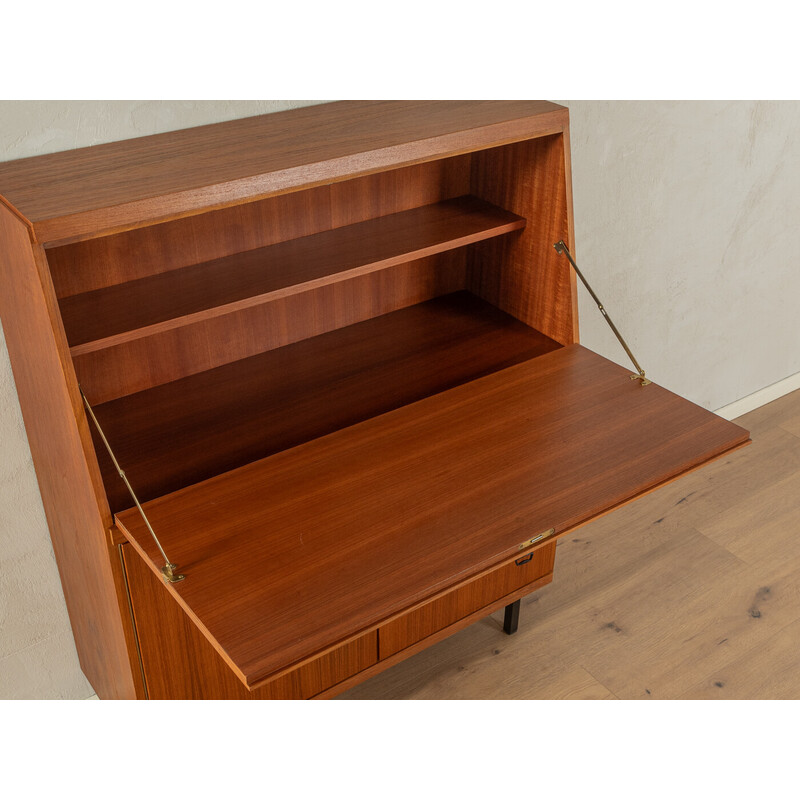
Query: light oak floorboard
{"x": 482, "y": 662}
{"x": 777, "y": 413}
{"x": 793, "y": 423}
{"x": 767, "y": 672}
{"x": 694, "y": 585}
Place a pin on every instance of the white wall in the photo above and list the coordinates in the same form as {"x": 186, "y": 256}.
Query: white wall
{"x": 686, "y": 219}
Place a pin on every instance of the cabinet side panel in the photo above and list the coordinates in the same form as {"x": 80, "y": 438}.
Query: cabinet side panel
{"x": 60, "y": 443}
{"x": 570, "y": 238}
{"x": 521, "y": 273}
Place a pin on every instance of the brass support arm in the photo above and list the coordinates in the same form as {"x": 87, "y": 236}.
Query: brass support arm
{"x": 562, "y": 248}
{"x": 169, "y": 569}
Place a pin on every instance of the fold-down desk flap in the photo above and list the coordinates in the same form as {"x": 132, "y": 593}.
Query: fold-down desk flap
{"x": 298, "y": 552}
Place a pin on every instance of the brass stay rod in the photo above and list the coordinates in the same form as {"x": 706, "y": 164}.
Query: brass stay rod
{"x": 168, "y": 570}
{"x": 562, "y": 248}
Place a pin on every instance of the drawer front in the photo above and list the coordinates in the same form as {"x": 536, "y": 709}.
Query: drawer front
{"x": 459, "y": 603}
{"x": 323, "y": 672}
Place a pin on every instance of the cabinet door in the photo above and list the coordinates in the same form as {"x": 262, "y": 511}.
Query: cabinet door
{"x": 503, "y": 582}
{"x": 290, "y": 555}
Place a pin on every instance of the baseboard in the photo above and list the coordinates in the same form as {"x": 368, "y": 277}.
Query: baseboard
{"x": 760, "y": 398}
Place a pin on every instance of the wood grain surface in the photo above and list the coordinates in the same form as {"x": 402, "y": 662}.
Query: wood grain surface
{"x": 140, "y": 253}
{"x": 112, "y": 187}
{"x": 185, "y": 431}
{"x": 417, "y": 625}
{"x": 523, "y": 274}
{"x": 304, "y": 549}
{"x": 479, "y": 616}
{"x": 690, "y": 593}
{"x": 180, "y": 664}
{"x": 106, "y": 317}
{"x": 140, "y": 364}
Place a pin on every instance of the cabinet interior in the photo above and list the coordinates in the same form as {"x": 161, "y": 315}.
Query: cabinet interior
{"x": 211, "y": 341}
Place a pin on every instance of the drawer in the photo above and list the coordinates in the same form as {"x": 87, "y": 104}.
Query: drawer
{"x": 322, "y": 673}
{"x": 465, "y": 600}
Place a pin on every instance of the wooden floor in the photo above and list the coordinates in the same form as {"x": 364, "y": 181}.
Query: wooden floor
{"x": 690, "y": 592}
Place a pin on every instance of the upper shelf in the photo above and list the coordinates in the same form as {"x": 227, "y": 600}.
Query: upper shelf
{"x": 106, "y": 317}
{"x": 110, "y": 187}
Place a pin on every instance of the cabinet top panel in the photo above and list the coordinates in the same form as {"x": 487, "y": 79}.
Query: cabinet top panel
{"x": 98, "y": 190}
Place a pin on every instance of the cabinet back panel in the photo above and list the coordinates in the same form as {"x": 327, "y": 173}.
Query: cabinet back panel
{"x": 143, "y": 363}
{"x": 109, "y": 260}
{"x": 522, "y": 274}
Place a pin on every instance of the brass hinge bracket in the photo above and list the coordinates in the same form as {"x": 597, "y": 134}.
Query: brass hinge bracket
{"x": 640, "y": 376}
{"x": 537, "y": 538}
{"x": 169, "y": 569}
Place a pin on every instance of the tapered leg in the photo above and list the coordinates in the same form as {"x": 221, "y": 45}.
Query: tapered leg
{"x": 511, "y": 621}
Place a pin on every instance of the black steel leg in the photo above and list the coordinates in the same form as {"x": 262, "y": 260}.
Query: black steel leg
{"x": 511, "y": 621}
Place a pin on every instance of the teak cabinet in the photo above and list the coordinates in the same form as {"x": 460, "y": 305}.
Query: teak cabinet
{"x": 336, "y": 354}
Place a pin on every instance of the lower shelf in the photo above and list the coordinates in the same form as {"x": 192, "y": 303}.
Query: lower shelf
{"x": 183, "y": 432}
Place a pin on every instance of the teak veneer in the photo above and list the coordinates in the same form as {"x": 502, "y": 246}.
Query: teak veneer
{"x": 336, "y": 354}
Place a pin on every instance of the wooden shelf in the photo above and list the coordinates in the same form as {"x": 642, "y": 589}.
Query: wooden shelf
{"x": 188, "y": 430}
{"x": 310, "y": 547}
{"x": 124, "y": 312}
